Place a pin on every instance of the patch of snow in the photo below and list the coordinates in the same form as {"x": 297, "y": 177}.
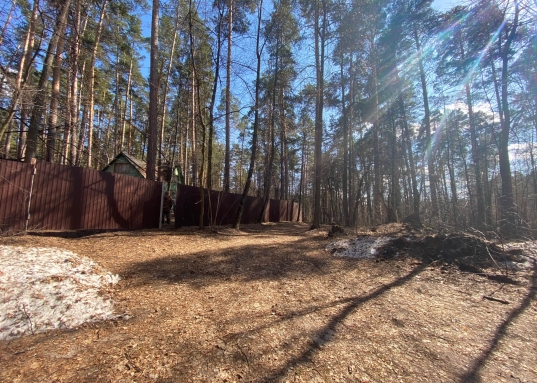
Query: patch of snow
{"x": 362, "y": 247}
{"x": 48, "y": 288}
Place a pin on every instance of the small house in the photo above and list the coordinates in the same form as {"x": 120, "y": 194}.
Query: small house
{"x": 128, "y": 165}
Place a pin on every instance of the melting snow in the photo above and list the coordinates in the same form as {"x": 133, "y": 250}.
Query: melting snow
{"x": 49, "y": 288}
{"x": 363, "y": 247}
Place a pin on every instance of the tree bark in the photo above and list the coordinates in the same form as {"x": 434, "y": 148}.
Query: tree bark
{"x": 40, "y": 96}
{"x": 8, "y": 20}
{"x": 428, "y": 135}
{"x": 259, "y": 51}
{"x": 166, "y": 83}
{"x": 213, "y": 100}
{"x": 320, "y": 38}
{"x": 228, "y": 98}
{"x": 55, "y": 98}
{"x": 22, "y": 73}
{"x": 152, "y": 131}
{"x": 507, "y": 204}
{"x": 91, "y": 85}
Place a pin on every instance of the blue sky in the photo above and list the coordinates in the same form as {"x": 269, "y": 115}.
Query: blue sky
{"x": 444, "y": 5}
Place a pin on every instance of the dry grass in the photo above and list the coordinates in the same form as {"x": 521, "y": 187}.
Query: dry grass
{"x": 269, "y": 304}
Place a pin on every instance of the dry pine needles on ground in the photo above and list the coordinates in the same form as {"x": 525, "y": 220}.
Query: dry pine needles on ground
{"x": 271, "y": 304}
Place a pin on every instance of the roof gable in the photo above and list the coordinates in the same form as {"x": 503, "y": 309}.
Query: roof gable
{"x": 138, "y": 164}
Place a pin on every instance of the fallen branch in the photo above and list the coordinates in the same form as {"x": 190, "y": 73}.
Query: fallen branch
{"x": 22, "y": 307}
{"x": 496, "y": 300}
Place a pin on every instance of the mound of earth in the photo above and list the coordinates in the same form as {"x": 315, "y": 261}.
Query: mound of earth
{"x": 467, "y": 252}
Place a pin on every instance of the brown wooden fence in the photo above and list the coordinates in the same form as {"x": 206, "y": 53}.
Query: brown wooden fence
{"x": 220, "y": 208}
{"x": 70, "y": 198}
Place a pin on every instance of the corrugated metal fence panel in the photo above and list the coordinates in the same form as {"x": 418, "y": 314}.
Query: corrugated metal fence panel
{"x": 69, "y": 198}
{"x": 220, "y": 208}
{"x": 294, "y": 214}
{"x": 55, "y": 201}
{"x": 138, "y": 202}
{"x": 15, "y": 181}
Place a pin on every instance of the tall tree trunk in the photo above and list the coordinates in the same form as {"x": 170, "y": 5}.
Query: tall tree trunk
{"x": 427, "y": 118}
{"x": 480, "y": 218}
{"x": 74, "y": 128}
{"x": 284, "y": 195}
{"x": 124, "y": 117}
{"x": 8, "y": 21}
{"x": 344, "y": 117}
{"x": 213, "y": 100}
{"x": 302, "y": 176}
{"x": 185, "y": 146}
{"x": 507, "y": 204}
{"x": 197, "y": 82}
{"x": 166, "y": 82}
{"x": 55, "y": 98}
{"x": 152, "y": 131}
{"x": 228, "y": 98}
{"x": 466, "y": 174}
{"x": 81, "y": 130}
{"x": 408, "y": 145}
{"x": 7, "y": 144}
{"x": 271, "y": 140}
{"x": 259, "y": 51}
{"x": 194, "y": 159}
{"x": 23, "y": 70}
{"x": 40, "y": 96}
{"x": 320, "y": 38}
{"x": 377, "y": 182}
{"x": 90, "y": 99}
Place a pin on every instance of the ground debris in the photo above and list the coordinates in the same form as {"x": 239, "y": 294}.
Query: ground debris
{"x": 468, "y": 252}
{"x": 270, "y": 304}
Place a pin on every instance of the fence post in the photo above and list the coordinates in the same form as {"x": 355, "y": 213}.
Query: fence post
{"x": 161, "y": 206}
{"x": 34, "y": 170}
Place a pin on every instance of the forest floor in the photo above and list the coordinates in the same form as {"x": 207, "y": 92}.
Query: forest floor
{"x": 279, "y": 303}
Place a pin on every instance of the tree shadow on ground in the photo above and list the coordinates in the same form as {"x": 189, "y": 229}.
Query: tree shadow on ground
{"x": 325, "y": 334}
{"x": 299, "y": 259}
{"x": 472, "y": 376}
{"x": 244, "y": 263}
{"x": 71, "y": 234}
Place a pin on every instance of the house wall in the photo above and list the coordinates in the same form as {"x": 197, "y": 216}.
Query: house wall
{"x": 133, "y": 172}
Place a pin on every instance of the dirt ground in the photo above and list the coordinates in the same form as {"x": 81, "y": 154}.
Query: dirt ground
{"x": 271, "y": 305}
